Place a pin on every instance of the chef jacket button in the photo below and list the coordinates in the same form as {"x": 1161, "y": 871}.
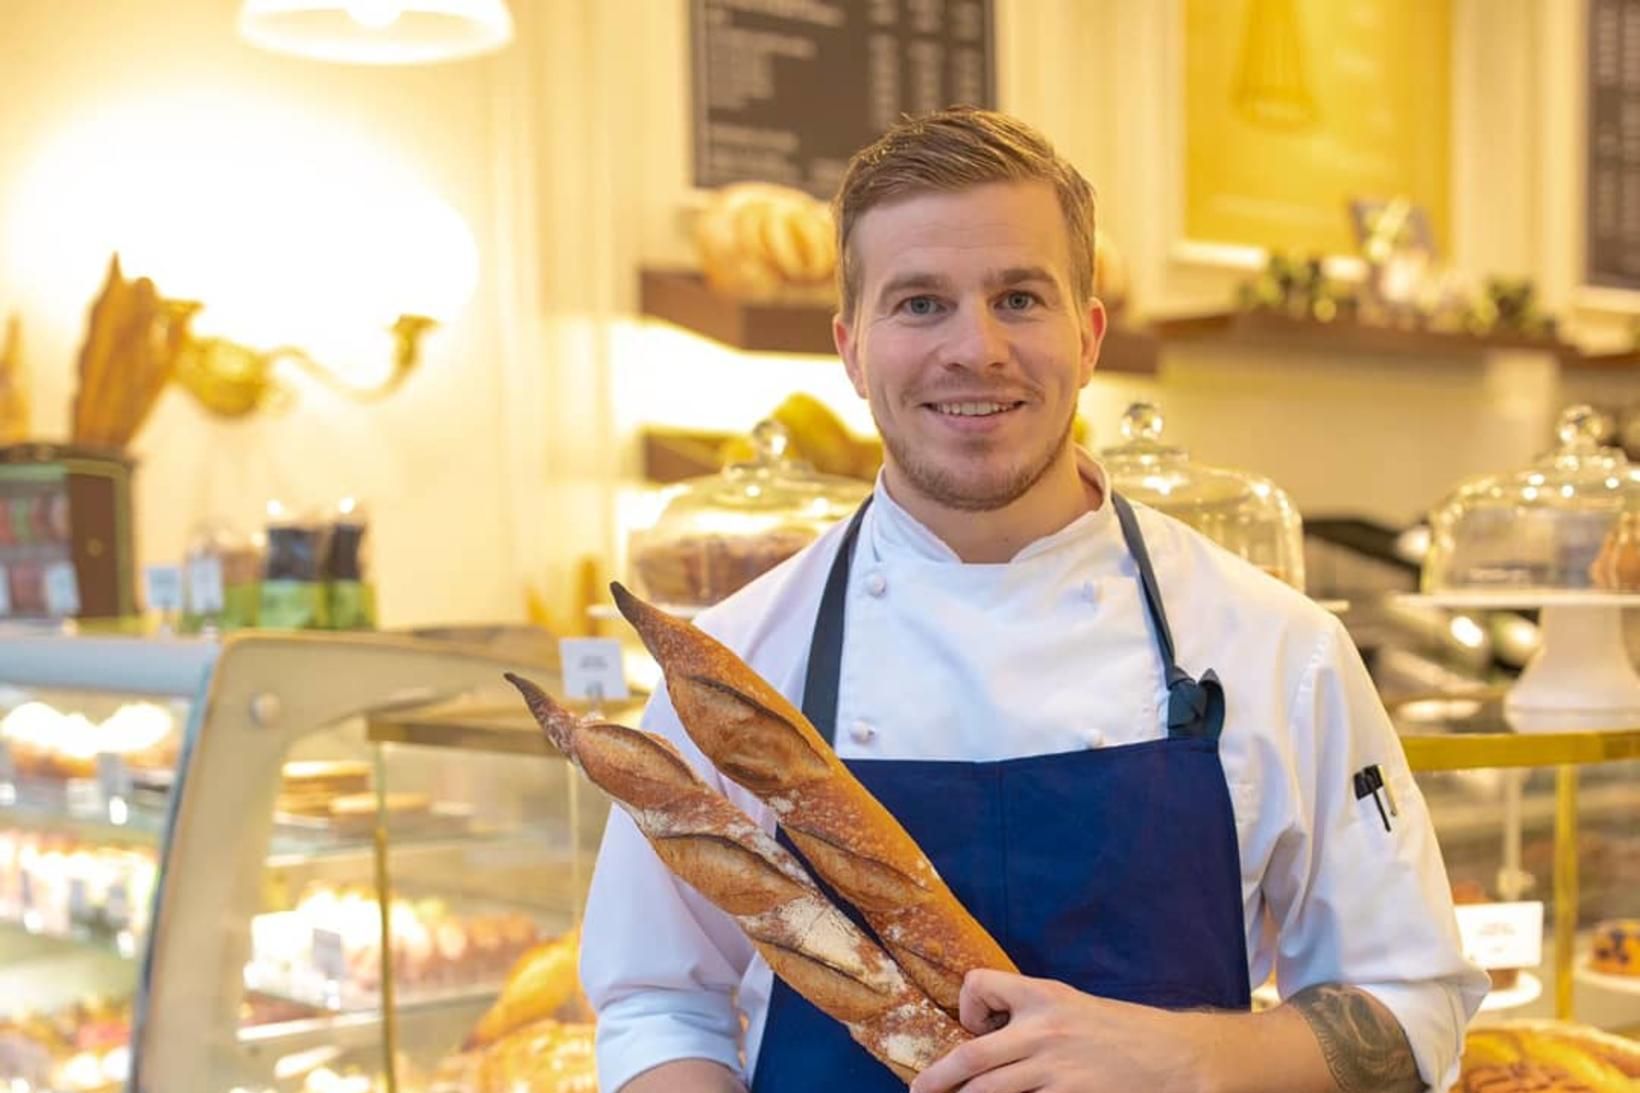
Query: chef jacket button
{"x": 863, "y": 732}
{"x": 1093, "y": 738}
{"x": 876, "y": 584}
{"x": 1090, "y": 592}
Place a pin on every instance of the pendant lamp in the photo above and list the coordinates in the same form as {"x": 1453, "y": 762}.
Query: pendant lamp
{"x": 380, "y": 32}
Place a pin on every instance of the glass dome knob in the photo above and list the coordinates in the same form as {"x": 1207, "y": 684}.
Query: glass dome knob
{"x": 1581, "y": 427}
{"x": 771, "y": 440}
{"x": 1143, "y": 421}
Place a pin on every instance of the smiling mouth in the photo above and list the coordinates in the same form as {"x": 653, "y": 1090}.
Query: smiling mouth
{"x": 973, "y": 409}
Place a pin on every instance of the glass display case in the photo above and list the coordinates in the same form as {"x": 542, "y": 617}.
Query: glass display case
{"x": 1248, "y": 515}
{"x": 213, "y": 878}
{"x": 1548, "y": 824}
{"x": 717, "y": 534}
{"x": 333, "y": 863}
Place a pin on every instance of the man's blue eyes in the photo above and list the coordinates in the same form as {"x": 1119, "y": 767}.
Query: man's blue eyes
{"x": 924, "y": 306}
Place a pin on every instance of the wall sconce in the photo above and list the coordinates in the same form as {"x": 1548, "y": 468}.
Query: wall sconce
{"x": 233, "y": 380}
{"x": 380, "y": 32}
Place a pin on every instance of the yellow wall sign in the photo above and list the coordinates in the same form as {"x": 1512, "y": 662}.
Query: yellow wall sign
{"x": 1294, "y": 107}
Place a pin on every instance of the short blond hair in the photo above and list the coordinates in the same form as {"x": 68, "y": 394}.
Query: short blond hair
{"x": 954, "y": 149}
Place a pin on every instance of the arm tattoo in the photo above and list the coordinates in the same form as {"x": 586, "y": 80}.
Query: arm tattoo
{"x": 1365, "y": 1047}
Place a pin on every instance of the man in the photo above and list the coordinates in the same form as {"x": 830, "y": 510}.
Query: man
{"x": 1147, "y": 817}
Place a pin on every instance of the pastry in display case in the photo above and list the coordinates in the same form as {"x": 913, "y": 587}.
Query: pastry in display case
{"x": 289, "y": 904}
{"x": 719, "y": 533}
{"x": 1558, "y": 535}
{"x": 1248, "y": 515}
{"x": 1547, "y": 1057}
{"x": 1616, "y": 948}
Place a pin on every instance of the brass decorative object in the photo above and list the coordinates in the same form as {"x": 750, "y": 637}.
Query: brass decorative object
{"x": 233, "y": 380}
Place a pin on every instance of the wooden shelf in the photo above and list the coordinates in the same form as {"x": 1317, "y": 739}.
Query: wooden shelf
{"x": 1628, "y": 361}
{"x": 1266, "y": 330}
{"x": 683, "y": 298}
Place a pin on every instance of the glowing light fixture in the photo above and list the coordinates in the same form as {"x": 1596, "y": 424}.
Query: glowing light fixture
{"x": 379, "y": 32}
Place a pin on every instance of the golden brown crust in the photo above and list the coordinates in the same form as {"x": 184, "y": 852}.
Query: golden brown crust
{"x": 759, "y": 740}
{"x": 717, "y": 849}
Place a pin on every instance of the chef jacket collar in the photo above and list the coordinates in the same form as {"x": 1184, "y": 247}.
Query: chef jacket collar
{"x": 895, "y": 532}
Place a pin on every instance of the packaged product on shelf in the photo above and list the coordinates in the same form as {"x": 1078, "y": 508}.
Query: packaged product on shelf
{"x": 221, "y": 580}
{"x": 293, "y": 584}
{"x": 352, "y": 598}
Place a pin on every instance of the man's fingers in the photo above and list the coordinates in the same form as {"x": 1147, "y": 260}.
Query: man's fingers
{"x": 989, "y": 998}
{"x": 1021, "y": 1077}
{"x": 967, "y": 1061}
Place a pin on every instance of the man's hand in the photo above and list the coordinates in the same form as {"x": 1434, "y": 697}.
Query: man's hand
{"x": 1038, "y": 1035}
{"x": 1052, "y": 1038}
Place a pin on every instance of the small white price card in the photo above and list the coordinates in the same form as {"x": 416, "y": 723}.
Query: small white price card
{"x": 113, "y": 776}
{"x": 1502, "y": 935}
{"x": 119, "y": 905}
{"x": 328, "y": 959}
{"x": 5, "y": 592}
{"x": 62, "y": 590}
{"x": 163, "y": 588}
{"x": 205, "y": 596}
{"x": 592, "y": 668}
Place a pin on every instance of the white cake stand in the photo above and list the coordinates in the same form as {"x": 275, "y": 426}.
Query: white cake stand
{"x": 1581, "y": 677}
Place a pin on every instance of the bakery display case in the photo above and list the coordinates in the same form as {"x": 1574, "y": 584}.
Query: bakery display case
{"x": 1540, "y": 833}
{"x": 216, "y": 874}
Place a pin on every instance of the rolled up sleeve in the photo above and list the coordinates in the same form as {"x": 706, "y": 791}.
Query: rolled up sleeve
{"x": 658, "y": 962}
{"x": 1356, "y": 904}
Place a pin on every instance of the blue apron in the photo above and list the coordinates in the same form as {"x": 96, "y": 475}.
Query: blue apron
{"x": 1115, "y": 870}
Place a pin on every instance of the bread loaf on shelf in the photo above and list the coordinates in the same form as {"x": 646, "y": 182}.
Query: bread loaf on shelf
{"x": 717, "y": 849}
{"x": 761, "y": 741}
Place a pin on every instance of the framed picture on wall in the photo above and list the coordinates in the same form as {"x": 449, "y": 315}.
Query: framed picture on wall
{"x": 1293, "y": 108}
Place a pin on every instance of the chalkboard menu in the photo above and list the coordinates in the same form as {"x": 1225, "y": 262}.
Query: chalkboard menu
{"x": 1613, "y": 209}
{"x": 786, "y": 90}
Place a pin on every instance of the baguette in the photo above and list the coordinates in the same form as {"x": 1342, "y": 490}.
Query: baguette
{"x": 762, "y": 742}
{"x": 717, "y": 849}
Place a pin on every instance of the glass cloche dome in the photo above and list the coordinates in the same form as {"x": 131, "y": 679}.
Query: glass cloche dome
{"x": 1564, "y": 528}
{"x": 717, "y": 533}
{"x": 1562, "y": 534}
{"x": 1244, "y": 513}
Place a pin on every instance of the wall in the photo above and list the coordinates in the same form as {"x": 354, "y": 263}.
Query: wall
{"x": 171, "y": 98}
{"x": 566, "y": 157}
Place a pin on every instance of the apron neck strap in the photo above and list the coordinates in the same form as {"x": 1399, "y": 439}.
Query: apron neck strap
{"x": 1195, "y": 708}
{"x": 826, "y": 647}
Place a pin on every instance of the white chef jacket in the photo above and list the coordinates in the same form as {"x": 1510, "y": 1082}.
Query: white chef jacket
{"x": 1048, "y": 653}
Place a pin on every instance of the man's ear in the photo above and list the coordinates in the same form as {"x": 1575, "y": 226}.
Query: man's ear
{"x": 848, "y": 348}
{"x": 1094, "y": 322}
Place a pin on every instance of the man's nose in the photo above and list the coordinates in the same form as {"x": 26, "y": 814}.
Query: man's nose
{"x": 978, "y": 340}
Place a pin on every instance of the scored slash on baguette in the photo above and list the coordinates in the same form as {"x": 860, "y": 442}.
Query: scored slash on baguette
{"x": 760, "y": 741}
{"x": 719, "y": 851}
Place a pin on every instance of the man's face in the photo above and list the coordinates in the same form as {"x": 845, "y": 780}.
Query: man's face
{"x": 968, "y": 341}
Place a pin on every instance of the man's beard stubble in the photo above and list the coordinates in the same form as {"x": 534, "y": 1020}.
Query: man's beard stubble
{"x": 940, "y": 485}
